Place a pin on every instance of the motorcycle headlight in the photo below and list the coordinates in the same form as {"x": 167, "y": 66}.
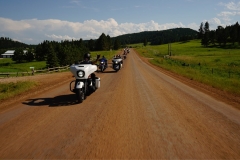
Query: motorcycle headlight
{"x": 101, "y": 62}
{"x": 80, "y": 74}
{"x": 116, "y": 62}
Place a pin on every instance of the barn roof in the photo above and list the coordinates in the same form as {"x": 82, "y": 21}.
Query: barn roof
{"x": 11, "y": 52}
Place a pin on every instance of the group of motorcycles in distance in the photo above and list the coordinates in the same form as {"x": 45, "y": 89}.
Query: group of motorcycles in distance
{"x": 117, "y": 61}
{"x": 86, "y": 82}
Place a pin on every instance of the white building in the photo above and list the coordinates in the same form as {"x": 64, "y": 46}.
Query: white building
{"x": 8, "y": 54}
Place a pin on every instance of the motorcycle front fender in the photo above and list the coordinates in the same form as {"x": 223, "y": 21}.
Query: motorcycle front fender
{"x": 79, "y": 85}
{"x": 116, "y": 66}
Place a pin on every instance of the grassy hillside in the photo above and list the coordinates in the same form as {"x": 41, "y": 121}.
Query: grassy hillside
{"x": 217, "y": 67}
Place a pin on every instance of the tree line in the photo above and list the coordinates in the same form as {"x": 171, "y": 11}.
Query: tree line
{"x": 8, "y": 43}
{"x": 67, "y": 52}
{"x": 63, "y": 53}
{"x": 221, "y": 36}
{"x": 158, "y": 37}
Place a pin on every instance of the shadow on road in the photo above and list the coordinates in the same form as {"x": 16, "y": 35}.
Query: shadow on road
{"x": 58, "y": 101}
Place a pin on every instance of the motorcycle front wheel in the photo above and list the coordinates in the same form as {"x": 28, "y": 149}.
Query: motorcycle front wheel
{"x": 80, "y": 95}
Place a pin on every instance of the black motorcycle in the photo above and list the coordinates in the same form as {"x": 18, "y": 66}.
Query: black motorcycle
{"x": 117, "y": 63}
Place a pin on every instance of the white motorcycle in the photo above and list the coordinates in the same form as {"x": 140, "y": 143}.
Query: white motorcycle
{"x": 86, "y": 82}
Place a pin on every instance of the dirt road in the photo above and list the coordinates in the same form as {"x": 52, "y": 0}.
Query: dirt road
{"x": 138, "y": 113}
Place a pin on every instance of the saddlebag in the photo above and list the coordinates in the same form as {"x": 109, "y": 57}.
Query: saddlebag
{"x": 97, "y": 82}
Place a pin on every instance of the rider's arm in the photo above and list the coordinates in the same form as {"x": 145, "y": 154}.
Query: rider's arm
{"x": 94, "y": 62}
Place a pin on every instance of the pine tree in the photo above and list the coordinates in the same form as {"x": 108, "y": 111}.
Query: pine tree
{"x": 205, "y": 38}
{"x": 109, "y": 42}
{"x": 201, "y": 31}
{"x": 102, "y": 43}
{"x": 212, "y": 37}
{"x": 219, "y": 35}
{"x": 91, "y": 45}
{"x": 234, "y": 33}
{"x": 29, "y": 55}
{"x": 145, "y": 42}
{"x": 52, "y": 60}
{"x": 117, "y": 44}
{"x": 18, "y": 55}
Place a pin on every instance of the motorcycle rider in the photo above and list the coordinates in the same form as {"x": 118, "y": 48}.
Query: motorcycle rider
{"x": 105, "y": 60}
{"x": 87, "y": 60}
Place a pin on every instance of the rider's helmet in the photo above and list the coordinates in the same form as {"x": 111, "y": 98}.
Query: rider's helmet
{"x": 87, "y": 56}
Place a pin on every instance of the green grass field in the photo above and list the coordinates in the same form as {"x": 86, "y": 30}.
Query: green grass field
{"x": 106, "y": 54}
{"x": 217, "y": 67}
{"x": 7, "y": 65}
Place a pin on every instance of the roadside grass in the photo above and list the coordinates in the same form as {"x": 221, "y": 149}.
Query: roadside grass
{"x": 217, "y": 67}
{"x": 7, "y": 65}
{"x": 8, "y": 90}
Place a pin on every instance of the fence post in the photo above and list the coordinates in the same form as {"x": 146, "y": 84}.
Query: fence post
{"x": 33, "y": 71}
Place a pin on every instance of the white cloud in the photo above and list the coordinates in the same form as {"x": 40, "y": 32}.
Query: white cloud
{"x": 216, "y": 21}
{"x": 11, "y": 25}
{"x": 193, "y": 26}
{"x": 60, "y": 37}
{"x": 232, "y": 10}
{"x": 232, "y": 6}
{"x": 34, "y": 31}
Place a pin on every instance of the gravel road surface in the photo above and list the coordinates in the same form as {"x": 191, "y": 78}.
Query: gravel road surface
{"x": 138, "y": 113}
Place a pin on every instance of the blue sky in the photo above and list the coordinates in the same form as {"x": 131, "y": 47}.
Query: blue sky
{"x": 33, "y": 21}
